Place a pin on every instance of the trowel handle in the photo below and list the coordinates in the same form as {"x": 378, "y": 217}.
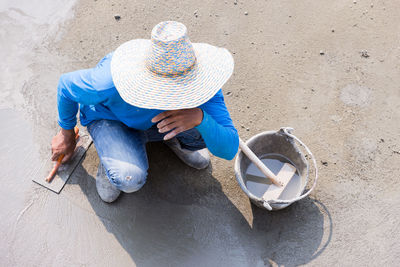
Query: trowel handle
{"x": 260, "y": 165}
{"x": 53, "y": 172}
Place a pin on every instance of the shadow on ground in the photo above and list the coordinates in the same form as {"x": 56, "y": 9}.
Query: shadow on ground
{"x": 181, "y": 217}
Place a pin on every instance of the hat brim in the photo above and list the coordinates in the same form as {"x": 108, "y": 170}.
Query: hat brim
{"x": 140, "y": 87}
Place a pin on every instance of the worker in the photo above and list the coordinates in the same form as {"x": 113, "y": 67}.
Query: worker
{"x": 163, "y": 89}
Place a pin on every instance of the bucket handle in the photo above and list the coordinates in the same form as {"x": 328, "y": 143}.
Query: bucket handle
{"x": 267, "y": 203}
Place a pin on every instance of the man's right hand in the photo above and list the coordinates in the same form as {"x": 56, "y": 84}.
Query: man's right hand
{"x": 63, "y": 143}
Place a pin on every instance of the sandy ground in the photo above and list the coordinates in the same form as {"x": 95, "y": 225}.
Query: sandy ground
{"x": 297, "y": 63}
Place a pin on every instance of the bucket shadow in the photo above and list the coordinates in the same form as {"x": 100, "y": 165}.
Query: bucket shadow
{"x": 295, "y": 235}
{"x": 181, "y": 217}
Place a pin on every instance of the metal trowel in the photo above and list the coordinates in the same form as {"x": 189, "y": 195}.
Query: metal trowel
{"x": 65, "y": 170}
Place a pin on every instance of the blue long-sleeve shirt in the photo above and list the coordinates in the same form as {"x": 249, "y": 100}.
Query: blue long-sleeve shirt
{"x": 93, "y": 92}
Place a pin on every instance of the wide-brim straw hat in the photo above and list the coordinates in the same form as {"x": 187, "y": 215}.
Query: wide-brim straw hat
{"x": 168, "y": 72}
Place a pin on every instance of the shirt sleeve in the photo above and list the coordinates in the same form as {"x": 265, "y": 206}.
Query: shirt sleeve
{"x": 217, "y": 129}
{"x": 87, "y": 87}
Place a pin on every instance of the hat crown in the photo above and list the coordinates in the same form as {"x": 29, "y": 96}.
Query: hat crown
{"x": 171, "y": 51}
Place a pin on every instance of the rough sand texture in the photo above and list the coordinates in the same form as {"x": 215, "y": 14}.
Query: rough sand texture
{"x": 297, "y": 63}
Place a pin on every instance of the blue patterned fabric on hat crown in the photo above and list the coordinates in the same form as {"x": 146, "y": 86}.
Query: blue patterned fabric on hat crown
{"x": 172, "y": 53}
{"x": 169, "y": 72}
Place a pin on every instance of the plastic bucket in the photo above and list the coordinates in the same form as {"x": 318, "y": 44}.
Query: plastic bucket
{"x": 284, "y": 143}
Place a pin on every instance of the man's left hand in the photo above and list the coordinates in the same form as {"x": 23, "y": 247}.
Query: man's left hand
{"x": 178, "y": 121}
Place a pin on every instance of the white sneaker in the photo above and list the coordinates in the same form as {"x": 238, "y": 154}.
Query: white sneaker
{"x": 198, "y": 159}
{"x": 107, "y": 192}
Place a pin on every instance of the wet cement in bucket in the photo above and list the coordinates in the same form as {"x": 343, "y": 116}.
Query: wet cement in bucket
{"x": 257, "y": 183}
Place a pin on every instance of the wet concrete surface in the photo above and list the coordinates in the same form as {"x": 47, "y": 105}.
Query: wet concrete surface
{"x": 181, "y": 218}
{"x": 185, "y": 217}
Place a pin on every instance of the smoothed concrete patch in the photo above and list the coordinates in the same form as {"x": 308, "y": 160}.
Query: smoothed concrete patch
{"x": 355, "y": 95}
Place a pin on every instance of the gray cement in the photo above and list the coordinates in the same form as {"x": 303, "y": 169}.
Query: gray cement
{"x": 343, "y": 105}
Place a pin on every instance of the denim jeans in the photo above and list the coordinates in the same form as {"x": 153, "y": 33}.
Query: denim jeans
{"x": 122, "y": 150}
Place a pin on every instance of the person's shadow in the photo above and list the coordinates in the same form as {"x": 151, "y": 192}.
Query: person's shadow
{"x": 181, "y": 217}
